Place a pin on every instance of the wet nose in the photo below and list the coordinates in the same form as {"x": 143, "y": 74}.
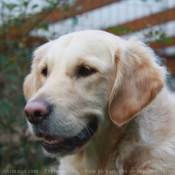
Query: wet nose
{"x": 36, "y": 111}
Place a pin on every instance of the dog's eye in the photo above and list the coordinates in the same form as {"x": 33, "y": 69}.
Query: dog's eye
{"x": 85, "y": 71}
{"x": 44, "y": 71}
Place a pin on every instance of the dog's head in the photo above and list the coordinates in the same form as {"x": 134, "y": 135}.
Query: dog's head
{"x": 82, "y": 81}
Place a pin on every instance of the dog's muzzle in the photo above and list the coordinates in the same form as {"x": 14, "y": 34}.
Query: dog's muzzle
{"x": 37, "y": 113}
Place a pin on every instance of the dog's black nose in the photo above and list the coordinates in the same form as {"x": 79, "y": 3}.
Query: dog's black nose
{"x": 36, "y": 111}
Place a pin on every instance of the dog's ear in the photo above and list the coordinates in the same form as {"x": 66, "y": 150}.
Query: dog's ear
{"x": 28, "y": 87}
{"x": 138, "y": 80}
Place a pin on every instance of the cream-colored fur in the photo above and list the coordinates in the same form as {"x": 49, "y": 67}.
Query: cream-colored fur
{"x": 127, "y": 94}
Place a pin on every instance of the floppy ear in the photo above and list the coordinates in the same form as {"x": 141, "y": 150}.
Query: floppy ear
{"x": 138, "y": 80}
{"x": 28, "y": 87}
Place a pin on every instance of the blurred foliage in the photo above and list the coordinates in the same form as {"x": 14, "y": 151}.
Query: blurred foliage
{"x": 150, "y": 35}
{"x": 17, "y": 149}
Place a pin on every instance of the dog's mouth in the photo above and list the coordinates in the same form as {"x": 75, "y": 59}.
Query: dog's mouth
{"x": 56, "y": 145}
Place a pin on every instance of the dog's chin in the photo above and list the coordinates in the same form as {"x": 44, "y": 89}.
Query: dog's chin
{"x": 55, "y": 146}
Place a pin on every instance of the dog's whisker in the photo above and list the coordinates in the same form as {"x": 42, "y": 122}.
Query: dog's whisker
{"x": 95, "y": 136}
{"x": 88, "y": 128}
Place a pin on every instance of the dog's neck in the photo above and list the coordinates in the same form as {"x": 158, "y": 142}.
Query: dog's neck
{"x": 116, "y": 145}
{"x": 101, "y": 152}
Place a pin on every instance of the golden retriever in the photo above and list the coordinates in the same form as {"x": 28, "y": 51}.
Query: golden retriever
{"x": 101, "y": 105}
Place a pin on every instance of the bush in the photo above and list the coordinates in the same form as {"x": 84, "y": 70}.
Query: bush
{"x": 17, "y": 148}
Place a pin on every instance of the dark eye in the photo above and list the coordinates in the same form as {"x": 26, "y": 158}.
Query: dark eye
{"x": 44, "y": 72}
{"x": 85, "y": 71}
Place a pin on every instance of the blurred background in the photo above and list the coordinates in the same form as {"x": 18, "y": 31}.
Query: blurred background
{"x": 26, "y": 24}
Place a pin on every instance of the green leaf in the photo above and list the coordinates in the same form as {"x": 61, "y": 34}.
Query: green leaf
{"x": 34, "y": 6}
{"x": 167, "y": 40}
{"x": 113, "y": 29}
{"x": 45, "y": 27}
{"x": 26, "y": 3}
{"x": 11, "y": 6}
{"x": 121, "y": 29}
{"x": 52, "y": 2}
{"x": 66, "y": 7}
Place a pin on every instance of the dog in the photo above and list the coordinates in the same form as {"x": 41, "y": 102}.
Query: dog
{"x": 101, "y": 105}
